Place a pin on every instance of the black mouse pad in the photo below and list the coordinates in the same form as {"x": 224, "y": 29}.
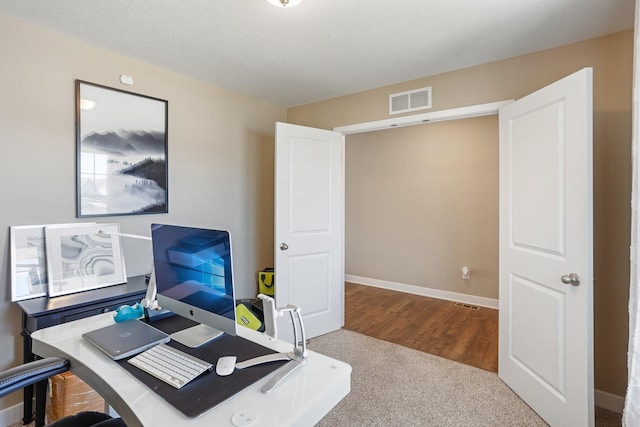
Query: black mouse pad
{"x": 208, "y": 390}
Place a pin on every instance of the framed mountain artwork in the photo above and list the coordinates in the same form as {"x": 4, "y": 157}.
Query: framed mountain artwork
{"x": 121, "y": 152}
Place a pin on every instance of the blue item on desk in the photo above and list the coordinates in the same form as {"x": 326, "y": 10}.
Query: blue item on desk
{"x": 128, "y": 312}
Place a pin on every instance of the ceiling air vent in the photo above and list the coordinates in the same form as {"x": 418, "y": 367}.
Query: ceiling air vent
{"x": 412, "y": 100}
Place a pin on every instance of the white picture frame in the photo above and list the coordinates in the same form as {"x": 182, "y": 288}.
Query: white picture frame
{"x": 29, "y": 278}
{"x": 84, "y": 257}
{"x": 28, "y": 262}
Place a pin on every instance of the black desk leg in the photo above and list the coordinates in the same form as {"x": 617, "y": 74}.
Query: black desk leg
{"x": 41, "y": 402}
{"x": 27, "y": 356}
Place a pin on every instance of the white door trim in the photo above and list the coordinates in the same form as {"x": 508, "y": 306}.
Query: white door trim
{"x": 419, "y": 119}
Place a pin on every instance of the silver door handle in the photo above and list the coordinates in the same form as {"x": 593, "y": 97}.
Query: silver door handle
{"x": 571, "y": 279}
{"x": 284, "y": 246}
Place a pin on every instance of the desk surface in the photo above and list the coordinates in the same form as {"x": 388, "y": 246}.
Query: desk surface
{"x": 302, "y": 399}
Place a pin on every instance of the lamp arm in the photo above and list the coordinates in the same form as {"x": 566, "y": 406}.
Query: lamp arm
{"x": 131, "y": 236}
{"x": 149, "y": 301}
{"x": 301, "y": 346}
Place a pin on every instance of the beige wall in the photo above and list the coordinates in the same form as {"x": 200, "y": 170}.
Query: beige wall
{"x": 410, "y": 188}
{"x": 220, "y": 155}
{"x": 421, "y": 202}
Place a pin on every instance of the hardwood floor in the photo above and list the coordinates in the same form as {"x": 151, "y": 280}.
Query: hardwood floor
{"x": 462, "y": 333}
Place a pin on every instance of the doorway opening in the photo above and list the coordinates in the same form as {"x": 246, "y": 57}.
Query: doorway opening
{"x": 421, "y": 203}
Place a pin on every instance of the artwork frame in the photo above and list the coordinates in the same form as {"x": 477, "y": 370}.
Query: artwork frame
{"x": 28, "y": 252}
{"x": 122, "y": 158}
{"x": 83, "y": 257}
{"x": 28, "y": 262}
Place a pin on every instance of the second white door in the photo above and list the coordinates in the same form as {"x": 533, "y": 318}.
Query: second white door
{"x": 546, "y": 250}
{"x": 309, "y": 231}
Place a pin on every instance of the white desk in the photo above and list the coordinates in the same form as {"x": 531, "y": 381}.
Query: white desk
{"x": 302, "y": 399}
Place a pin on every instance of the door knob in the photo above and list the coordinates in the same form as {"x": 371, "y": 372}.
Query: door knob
{"x": 284, "y": 246}
{"x": 571, "y": 279}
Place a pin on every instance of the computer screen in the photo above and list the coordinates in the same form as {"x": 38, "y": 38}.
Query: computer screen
{"x": 194, "y": 279}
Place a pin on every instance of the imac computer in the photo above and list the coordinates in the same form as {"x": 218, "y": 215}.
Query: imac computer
{"x": 194, "y": 279}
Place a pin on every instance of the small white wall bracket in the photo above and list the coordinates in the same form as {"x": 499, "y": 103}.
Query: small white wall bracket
{"x": 126, "y": 80}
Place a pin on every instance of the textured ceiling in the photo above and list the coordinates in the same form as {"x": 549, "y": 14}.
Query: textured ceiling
{"x": 321, "y": 49}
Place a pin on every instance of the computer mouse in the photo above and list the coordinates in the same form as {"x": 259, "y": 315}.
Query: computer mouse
{"x": 226, "y": 365}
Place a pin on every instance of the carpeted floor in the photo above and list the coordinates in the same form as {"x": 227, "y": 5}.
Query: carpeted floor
{"x": 393, "y": 385}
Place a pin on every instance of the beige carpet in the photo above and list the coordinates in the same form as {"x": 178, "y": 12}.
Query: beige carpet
{"x": 393, "y": 385}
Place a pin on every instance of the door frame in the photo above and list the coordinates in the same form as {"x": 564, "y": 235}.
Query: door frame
{"x": 416, "y": 119}
{"x": 467, "y": 112}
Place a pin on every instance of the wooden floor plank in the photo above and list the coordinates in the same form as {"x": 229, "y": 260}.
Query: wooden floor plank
{"x": 435, "y": 326}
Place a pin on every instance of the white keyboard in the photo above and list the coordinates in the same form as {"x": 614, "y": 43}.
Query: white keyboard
{"x": 172, "y": 366}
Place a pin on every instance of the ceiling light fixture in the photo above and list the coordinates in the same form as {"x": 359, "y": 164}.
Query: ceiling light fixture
{"x": 284, "y": 3}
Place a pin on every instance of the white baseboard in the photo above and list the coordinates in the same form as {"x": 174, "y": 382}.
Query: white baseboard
{"x": 11, "y": 415}
{"x": 425, "y": 292}
{"x": 609, "y": 401}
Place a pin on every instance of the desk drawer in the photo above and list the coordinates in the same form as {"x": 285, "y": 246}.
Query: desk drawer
{"x": 92, "y": 311}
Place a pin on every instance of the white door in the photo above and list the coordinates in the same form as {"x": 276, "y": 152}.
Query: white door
{"x": 546, "y": 250}
{"x": 309, "y": 224}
